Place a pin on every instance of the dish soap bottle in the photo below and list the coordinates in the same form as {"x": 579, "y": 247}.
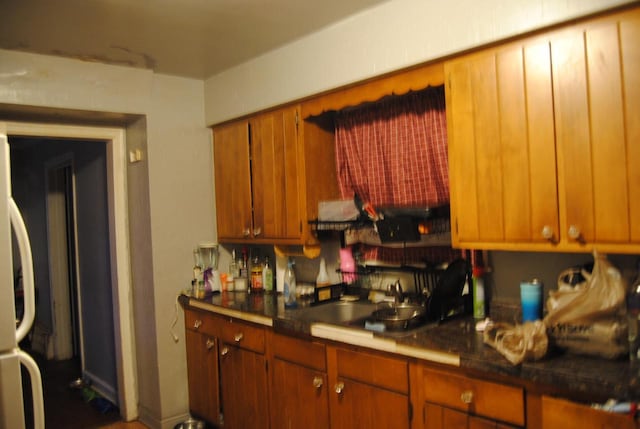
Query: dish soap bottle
{"x": 290, "y": 286}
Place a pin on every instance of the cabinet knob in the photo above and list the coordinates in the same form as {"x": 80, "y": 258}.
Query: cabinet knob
{"x": 467, "y": 397}
{"x": 317, "y": 382}
{"x": 547, "y": 233}
{"x": 197, "y": 324}
{"x": 224, "y": 351}
{"x": 339, "y": 387}
{"x": 238, "y": 337}
{"x": 210, "y": 343}
{"x": 574, "y": 232}
{"x": 257, "y": 231}
{"x": 246, "y": 232}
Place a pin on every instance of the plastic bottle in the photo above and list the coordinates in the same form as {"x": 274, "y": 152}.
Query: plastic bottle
{"x": 323, "y": 276}
{"x": 290, "y": 286}
{"x": 633, "y": 314}
{"x": 267, "y": 275}
{"x": 478, "y": 293}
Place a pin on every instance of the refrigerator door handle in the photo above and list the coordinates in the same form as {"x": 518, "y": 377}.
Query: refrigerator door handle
{"x": 36, "y": 388}
{"x": 24, "y": 247}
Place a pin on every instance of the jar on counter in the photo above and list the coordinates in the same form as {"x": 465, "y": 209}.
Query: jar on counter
{"x": 256, "y": 276}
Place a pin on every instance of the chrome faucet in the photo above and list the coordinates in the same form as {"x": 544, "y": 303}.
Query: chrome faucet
{"x": 395, "y": 290}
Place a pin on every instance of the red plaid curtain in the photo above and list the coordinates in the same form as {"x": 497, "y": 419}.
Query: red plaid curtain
{"x": 394, "y": 153}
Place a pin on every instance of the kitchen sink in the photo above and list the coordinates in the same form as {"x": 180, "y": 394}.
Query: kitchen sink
{"x": 337, "y": 312}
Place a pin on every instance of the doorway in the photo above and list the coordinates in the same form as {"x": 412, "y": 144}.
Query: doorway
{"x": 117, "y": 250}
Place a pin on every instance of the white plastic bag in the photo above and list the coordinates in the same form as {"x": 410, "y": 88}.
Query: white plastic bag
{"x": 518, "y": 342}
{"x": 589, "y": 318}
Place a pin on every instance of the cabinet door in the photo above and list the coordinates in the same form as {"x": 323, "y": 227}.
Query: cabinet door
{"x": 275, "y": 167}
{"x": 354, "y": 404}
{"x": 439, "y": 417}
{"x": 232, "y": 180}
{"x": 501, "y": 147}
{"x": 202, "y": 372}
{"x": 596, "y": 82}
{"x": 243, "y": 376}
{"x": 562, "y": 414}
{"x": 300, "y": 398}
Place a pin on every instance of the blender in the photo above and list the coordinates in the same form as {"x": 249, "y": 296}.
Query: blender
{"x": 208, "y": 253}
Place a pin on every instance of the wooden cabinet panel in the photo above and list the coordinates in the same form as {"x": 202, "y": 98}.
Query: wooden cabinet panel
{"x": 275, "y": 173}
{"x": 562, "y": 414}
{"x": 232, "y": 180}
{"x": 300, "y": 397}
{"x": 386, "y": 372}
{"x": 243, "y": 335}
{"x": 444, "y": 399}
{"x": 245, "y": 399}
{"x": 303, "y": 352}
{"x": 202, "y": 372}
{"x": 589, "y": 93}
{"x": 354, "y": 404}
{"x": 203, "y": 322}
{"x": 495, "y": 197}
{"x": 367, "y": 390}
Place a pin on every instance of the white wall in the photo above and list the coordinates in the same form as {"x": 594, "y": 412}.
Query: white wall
{"x": 392, "y": 36}
{"x": 180, "y": 194}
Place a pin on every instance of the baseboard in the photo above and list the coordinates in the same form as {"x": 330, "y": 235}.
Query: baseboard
{"x": 146, "y": 416}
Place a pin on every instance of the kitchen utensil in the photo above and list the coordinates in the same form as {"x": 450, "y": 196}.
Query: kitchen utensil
{"x": 446, "y": 297}
{"x": 400, "y": 316}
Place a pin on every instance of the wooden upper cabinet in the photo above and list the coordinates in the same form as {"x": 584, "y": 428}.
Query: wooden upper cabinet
{"x": 271, "y": 171}
{"x": 501, "y": 146}
{"x": 275, "y": 172}
{"x": 542, "y": 137}
{"x": 232, "y": 180}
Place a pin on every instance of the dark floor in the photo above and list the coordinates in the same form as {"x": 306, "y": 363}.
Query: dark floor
{"x": 64, "y": 406}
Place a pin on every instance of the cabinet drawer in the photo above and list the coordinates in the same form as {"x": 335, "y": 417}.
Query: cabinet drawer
{"x": 485, "y": 398}
{"x": 386, "y": 372}
{"x": 200, "y": 321}
{"x": 558, "y": 413}
{"x": 302, "y": 352}
{"x": 243, "y": 335}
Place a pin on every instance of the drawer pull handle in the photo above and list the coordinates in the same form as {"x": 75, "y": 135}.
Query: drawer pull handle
{"x": 246, "y": 232}
{"x": 547, "y": 233}
{"x": 257, "y": 231}
{"x": 238, "y": 337}
{"x": 467, "y": 397}
{"x": 210, "y": 343}
{"x": 197, "y": 324}
{"x": 317, "y": 382}
{"x": 224, "y": 351}
{"x": 339, "y": 387}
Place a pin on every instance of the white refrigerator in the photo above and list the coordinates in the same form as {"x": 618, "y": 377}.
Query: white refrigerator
{"x": 12, "y": 408}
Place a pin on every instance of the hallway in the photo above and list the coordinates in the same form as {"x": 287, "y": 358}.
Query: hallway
{"x": 65, "y": 406}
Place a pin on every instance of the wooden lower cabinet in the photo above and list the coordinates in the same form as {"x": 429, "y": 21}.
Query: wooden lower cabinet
{"x": 367, "y": 390}
{"x": 202, "y": 366}
{"x": 448, "y": 399}
{"x": 299, "y": 384}
{"x": 438, "y": 417}
{"x": 245, "y": 401}
{"x": 563, "y": 414}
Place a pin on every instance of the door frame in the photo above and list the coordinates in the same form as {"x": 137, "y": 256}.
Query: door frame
{"x": 118, "y": 244}
{"x": 56, "y": 210}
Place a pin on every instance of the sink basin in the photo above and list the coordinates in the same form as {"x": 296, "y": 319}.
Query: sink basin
{"x": 338, "y": 312}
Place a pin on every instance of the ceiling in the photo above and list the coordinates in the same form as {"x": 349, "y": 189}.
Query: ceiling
{"x": 190, "y": 38}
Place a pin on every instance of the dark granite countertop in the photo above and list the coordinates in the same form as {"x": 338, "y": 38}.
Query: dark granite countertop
{"x": 581, "y": 377}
